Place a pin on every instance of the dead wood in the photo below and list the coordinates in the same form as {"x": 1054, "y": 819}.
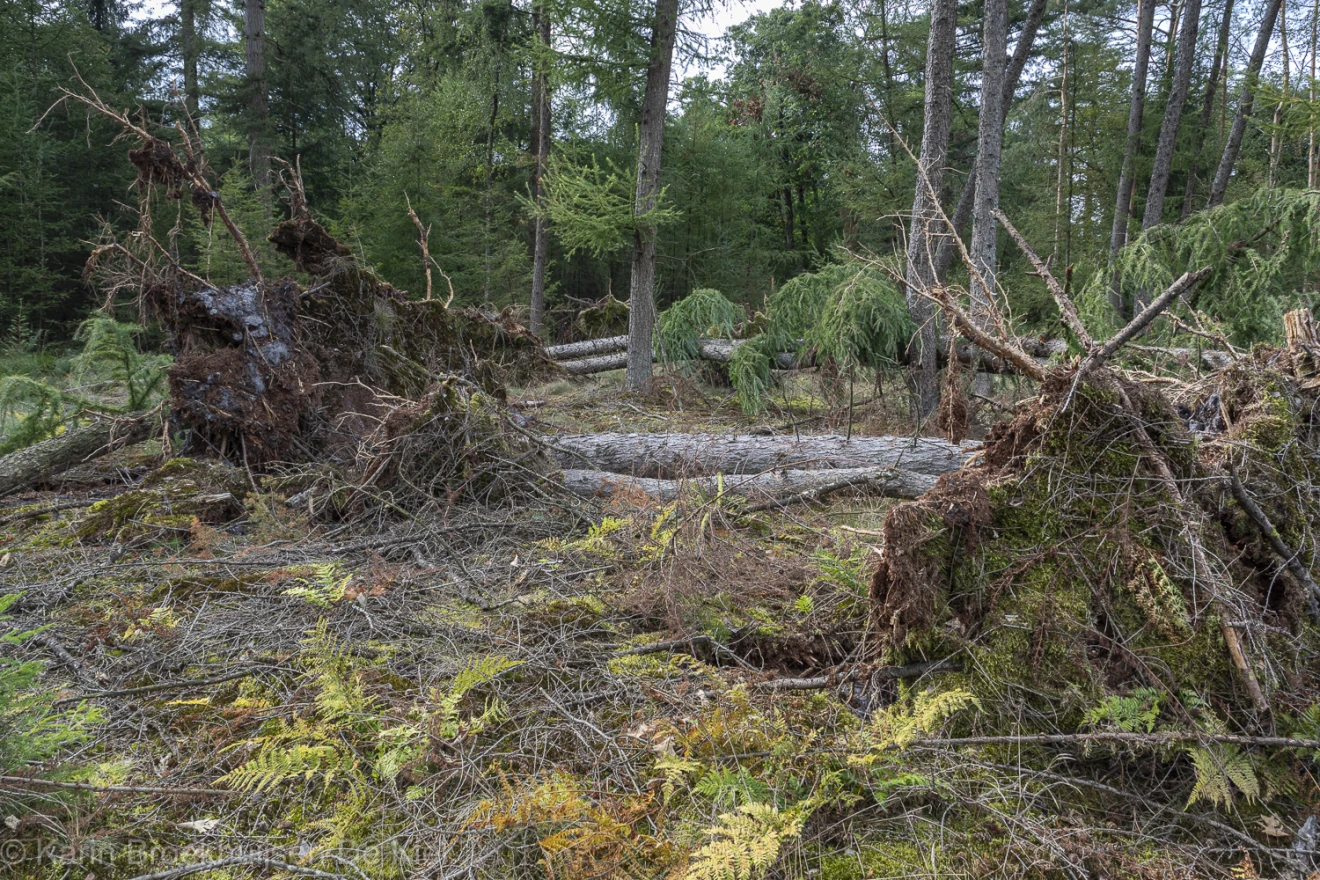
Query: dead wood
{"x": 40, "y": 461}
{"x": 676, "y": 456}
{"x": 1289, "y": 557}
{"x": 776, "y": 488}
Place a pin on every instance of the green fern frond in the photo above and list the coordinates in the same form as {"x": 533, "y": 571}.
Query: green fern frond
{"x": 1220, "y": 770}
{"x": 300, "y": 761}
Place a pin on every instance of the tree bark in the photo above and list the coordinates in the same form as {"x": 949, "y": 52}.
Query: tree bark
{"x": 258, "y": 102}
{"x": 889, "y": 482}
{"x": 189, "y": 50}
{"x": 967, "y": 199}
{"x": 985, "y": 230}
{"x": 677, "y": 456}
{"x": 541, "y": 113}
{"x": 651, "y": 133}
{"x": 1208, "y": 107}
{"x": 1182, "y": 79}
{"x": 43, "y": 460}
{"x": 1246, "y": 98}
{"x": 927, "y": 226}
{"x": 1136, "y": 110}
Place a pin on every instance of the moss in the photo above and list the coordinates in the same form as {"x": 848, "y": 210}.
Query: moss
{"x": 168, "y": 500}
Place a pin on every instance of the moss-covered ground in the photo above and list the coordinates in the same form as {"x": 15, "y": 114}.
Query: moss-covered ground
{"x": 578, "y": 689}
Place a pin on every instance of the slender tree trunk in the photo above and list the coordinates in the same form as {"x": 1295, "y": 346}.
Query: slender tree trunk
{"x": 258, "y": 103}
{"x": 1315, "y": 44}
{"x": 189, "y": 49}
{"x": 1061, "y": 157}
{"x": 967, "y": 199}
{"x": 1276, "y": 142}
{"x": 1246, "y": 98}
{"x": 1136, "y": 109}
{"x": 641, "y": 297}
{"x": 490, "y": 175}
{"x": 802, "y": 213}
{"x": 790, "y": 229}
{"x": 541, "y": 113}
{"x": 1208, "y": 108}
{"x": 990, "y": 140}
{"x": 1182, "y": 80}
{"x": 927, "y": 227}
{"x": 889, "y": 78}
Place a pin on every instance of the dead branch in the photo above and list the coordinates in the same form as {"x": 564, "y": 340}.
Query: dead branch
{"x": 1142, "y": 322}
{"x": 884, "y": 673}
{"x": 1066, "y": 306}
{"x": 1290, "y": 559}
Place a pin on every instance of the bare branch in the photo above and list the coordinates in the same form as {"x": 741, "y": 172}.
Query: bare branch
{"x": 1066, "y": 306}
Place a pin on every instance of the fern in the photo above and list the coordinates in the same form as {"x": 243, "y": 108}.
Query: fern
{"x": 1136, "y": 712}
{"x": 735, "y": 787}
{"x": 271, "y": 767}
{"x": 746, "y": 844}
{"x": 324, "y": 587}
{"x": 903, "y": 724}
{"x": 1221, "y": 770}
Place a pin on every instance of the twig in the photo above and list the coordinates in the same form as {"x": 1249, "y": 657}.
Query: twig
{"x": 1271, "y": 534}
{"x": 1140, "y": 323}
{"x": 126, "y": 789}
{"x": 423, "y": 237}
{"x": 150, "y": 688}
{"x": 1119, "y": 736}
{"x": 255, "y": 861}
{"x": 885, "y": 673}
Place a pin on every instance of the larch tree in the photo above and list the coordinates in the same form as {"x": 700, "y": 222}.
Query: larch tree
{"x": 1173, "y": 110}
{"x": 1208, "y": 105}
{"x": 985, "y": 229}
{"x": 1136, "y": 110}
{"x": 541, "y": 121}
{"x": 651, "y": 135}
{"x": 1246, "y": 98}
{"x": 927, "y": 226}
{"x": 1012, "y": 74}
{"x": 258, "y": 100}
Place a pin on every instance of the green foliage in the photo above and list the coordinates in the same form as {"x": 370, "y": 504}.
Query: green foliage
{"x": 1135, "y": 712}
{"x": 32, "y": 409}
{"x": 325, "y": 586}
{"x": 1261, "y": 250}
{"x": 593, "y": 208}
{"x": 354, "y": 738}
{"x": 702, "y": 313}
{"x": 1222, "y": 770}
{"x": 908, "y": 720}
{"x": 854, "y": 317}
{"x": 31, "y": 730}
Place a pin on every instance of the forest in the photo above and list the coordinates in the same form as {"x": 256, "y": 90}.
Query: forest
{"x": 485, "y": 439}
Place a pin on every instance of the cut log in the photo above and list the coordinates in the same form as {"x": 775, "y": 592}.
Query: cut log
{"x": 889, "y": 482}
{"x": 674, "y": 456}
{"x": 43, "y": 460}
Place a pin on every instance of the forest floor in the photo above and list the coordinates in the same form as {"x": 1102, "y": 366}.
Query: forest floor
{"x": 575, "y": 688}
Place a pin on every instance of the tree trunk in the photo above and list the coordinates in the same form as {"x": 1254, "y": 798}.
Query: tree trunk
{"x": 967, "y": 199}
{"x": 651, "y": 133}
{"x": 541, "y": 147}
{"x": 1182, "y": 79}
{"x": 1208, "y": 107}
{"x": 1136, "y": 109}
{"x": 1276, "y": 139}
{"x": 1246, "y": 98}
{"x": 188, "y": 47}
{"x": 258, "y": 103}
{"x": 990, "y": 144}
{"x": 1311, "y": 178}
{"x": 677, "y": 456}
{"x": 43, "y": 460}
{"x": 927, "y": 227}
{"x": 889, "y": 482}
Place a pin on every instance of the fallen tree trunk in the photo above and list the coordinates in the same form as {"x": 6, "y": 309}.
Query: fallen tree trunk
{"x": 673, "y": 456}
{"x": 43, "y": 460}
{"x": 607, "y": 357}
{"x": 588, "y": 348}
{"x": 772, "y": 486}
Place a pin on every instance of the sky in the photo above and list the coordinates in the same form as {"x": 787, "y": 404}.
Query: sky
{"x": 716, "y": 22}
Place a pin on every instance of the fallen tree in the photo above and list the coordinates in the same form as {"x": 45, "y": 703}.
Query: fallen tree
{"x": 676, "y": 456}
{"x": 779, "y": 485}
{"x": 40, "y": 461}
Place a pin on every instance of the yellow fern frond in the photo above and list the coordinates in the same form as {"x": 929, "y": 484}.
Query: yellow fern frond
{"x": 745, "y": 844}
